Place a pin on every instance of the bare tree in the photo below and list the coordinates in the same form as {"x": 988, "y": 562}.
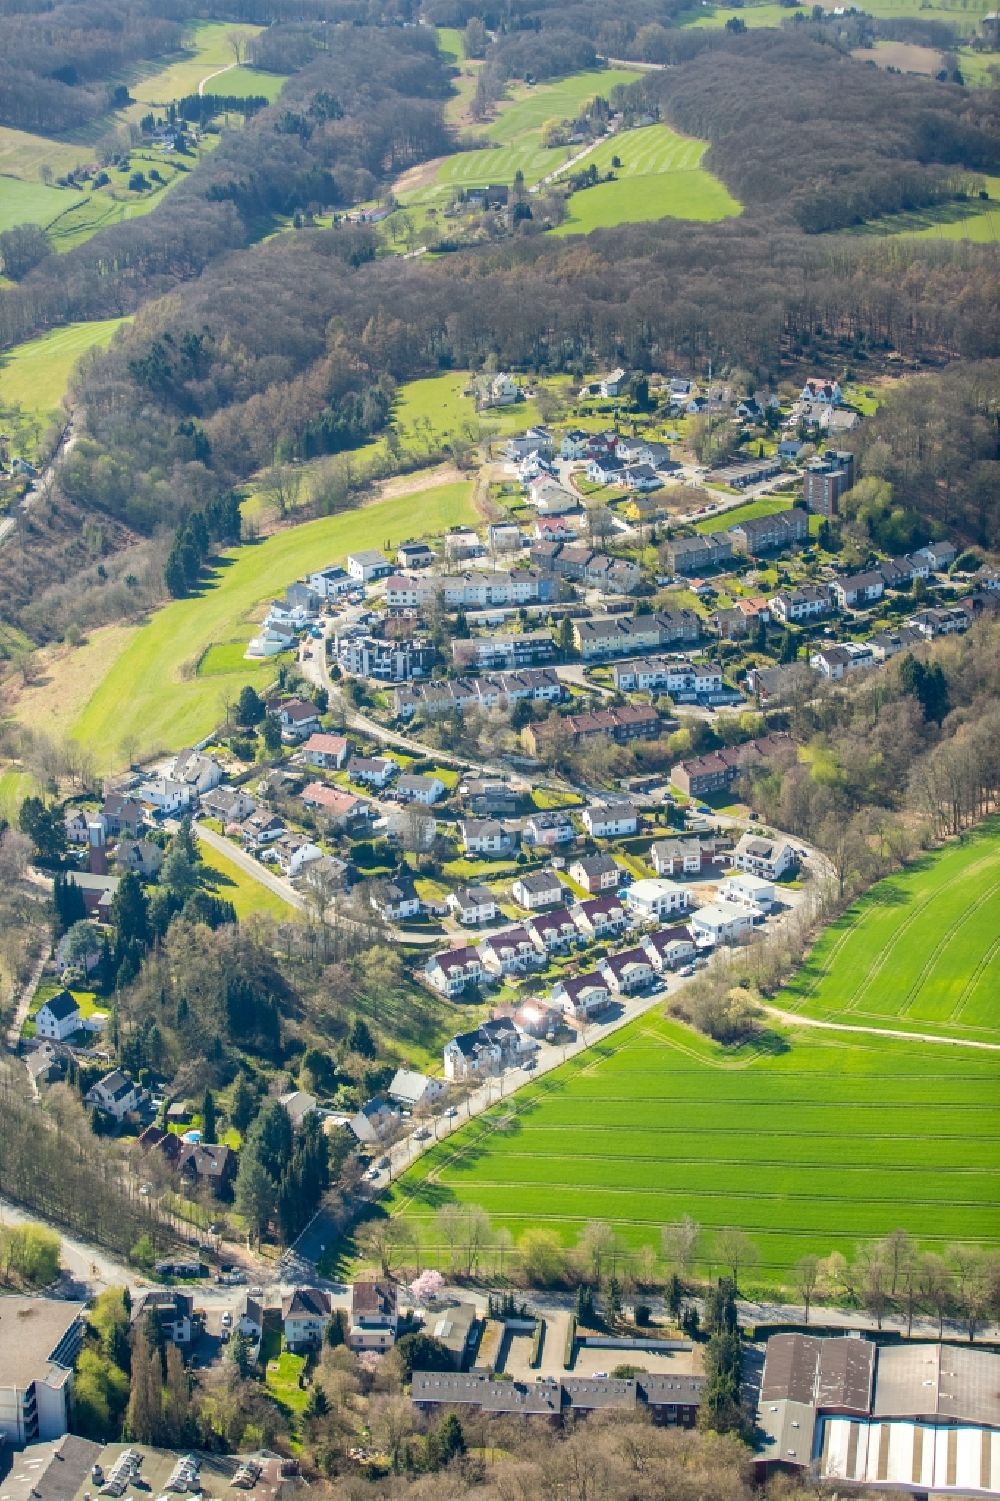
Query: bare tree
{"x": 806, "y": 1277}
{"x": 237, "y": 43}
{"x": 681, "y": 1243}
{"x": 735, "y": 1249}
{"x": 935, "y": 1289}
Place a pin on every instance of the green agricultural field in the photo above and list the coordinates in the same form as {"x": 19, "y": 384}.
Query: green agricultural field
{"x": 23, "y": 154}
{"x": 810, "y": 1145}
{"x": 661, "y": 177}
{"x": 34, "y": 376}
{"x": 920, "y": 952}
{"x": 154, "y": 693}
{"x": 768, "y": 505}
{"x": 32, "y": 202}
{"x": 967, "y": 13}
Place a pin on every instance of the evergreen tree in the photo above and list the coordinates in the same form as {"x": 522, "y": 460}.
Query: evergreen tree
{"x": 451, "y": 1439}
{"x": 360, "y": 1040}
{"x": 272, "y": 734}
{"x": 143, "y": 1416}
{"x": 129, "y": 915}
{"x": 244, "y": 1102}
{"x": 208, "y": 1122}
{"x": 176, "y": 1399}
{"x": 250, "y": 708}
{"x": 255, "y": 1194}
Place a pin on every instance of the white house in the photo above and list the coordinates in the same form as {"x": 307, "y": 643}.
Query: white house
{"x": 721, "y": 922}
{"x": 414, "y": 555}
{"x": 451, "y": 971}
{"x": 822, "y": 393}
{"x": 574, "y": 444}
{"x": 581, "y": 996}
{"x": 198, "y": 770}
{"x": 372, "y": 771}
{"x": 115, "y": 1095}
{"x": 668, "y": 948}
{"x": 174, "y": 1309}
{"x": 58, "y": 1017}
{"x": 396, "y": 900}
{"x": 420, "y": 787}
{"x": 647, "y": 899}
{"x": 553, "y": 932}
{"x": 305, "y": 1314}
{"x": 610, "y": 820}
{"x": 328, "y": 751}
{"x": 747, "y": 890}
{"x": 374, "y": 1315}
{"x": 549, "y": 830}
{"x": 542, "y": 888}
{"x": 411, "y": 1089}
{"x": 627, "y": 972}
{"x": 509, "y": 952}
{"x": 485, "y": 836}
{"x": 602, "y": 917}
{"x": 251, "y": 1320}
{"x": 331, "y": 582}
{"x": 367, "y": 565}
{"x": 166, "y": 795}
{"x": 492, "y": 1047}
{"x": 270, "y": 641}
{"x": 769, "y": 858}
{"x": 473, "y": 905}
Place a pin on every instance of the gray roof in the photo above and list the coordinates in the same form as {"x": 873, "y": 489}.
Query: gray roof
{"x": 52, "y": 1471}
{"x": 938, "y": 1382}
{"x": 33, "y": 1332}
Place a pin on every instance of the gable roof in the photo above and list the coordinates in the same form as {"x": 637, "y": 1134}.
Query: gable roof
{"x": 61, "y": 1005}
{"x": 305, "y": 1303}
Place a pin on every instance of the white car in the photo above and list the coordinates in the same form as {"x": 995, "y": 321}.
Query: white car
{"x": 451, "y": 1112}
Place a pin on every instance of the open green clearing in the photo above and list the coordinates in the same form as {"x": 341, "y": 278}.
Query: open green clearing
{"x": 205, "y": 51}
{"x": 920, "y": 952}
{"x": 248, "y": 896}
{"x": 23, "y": 154}
{"x": 661, "y": 176}
{"x": 811, "y": 1146}
{"x": 768, "y": 505}
{"x": 32, "y": 202}
{"x": 961, "y": 13}
{"x": 153, "y": 694}
{"x": 34, "y": 376}
{"x": 974, "y": 219}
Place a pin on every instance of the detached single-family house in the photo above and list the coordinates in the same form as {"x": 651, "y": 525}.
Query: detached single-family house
{"x": 674, "y": 857}
{"x": 720, "y": 922}
{"x": 115, "y": 1095}
{"x": 769, "y": 858}
{"x": 453, "y": 970}
{"x": 414, "y": 555}
{"x": 581, "y": 996}
{"x": 58, "y": 1017}
{"x": 396, "y": 900}
{"x": 140, "y": 856}
{"x": 485, "y": 836}
{"x": 553, "y": 932}
{"x": 411, "y": 1089}
{"x": 473, "y": 905}
{"x": 337, "y": 807}
{"x": 610, "y": 820}
{"x": 668, "y": 948}
{"x": 492, "y": 1047}
{"x": 197, "y": 770}
{"x": 228, "y": 804}
{"x": 373, "y": 1120}
{"x": 510, "y": 952}
{"x": 374, "y": 1315}
{"x": 420, "y": 787}
{"x": 601, "y": 917}
{"x": 298, "y": 718}
{"x": 859, "y": 589}
{"x": 938, "y": 554}
{"x": 367, "y": 565}
{"x": 372, "y": 771}
{"x": 261, "y": 829}
{"x": 329, "y": 583}
{"x": 166, "y": 796}
{"x": 549, "y": 830}
{"x": 75, "y": 823}
{"x": 542, "y": 888}
{"x": 748, "y": 891}
{"x": 174, "y": 1311}
{"x": 658, "y": 899}
{"x": 327, "y": 751}
{"x": 574, "y": 444}
{"x": 305, "y": 1314}
{"x": 121, "y": 815}
{"x": 299, "y": 1104}
{"x": 627, "y": 972}
{"x": 821, "y": 392}
{"x": 251, "y": 1321}
{"x": 596, "y": 873}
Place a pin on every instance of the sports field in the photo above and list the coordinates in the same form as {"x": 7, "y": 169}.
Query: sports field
{"x": 166, "y": 685}
{"x": 35, "y": 375}
{"x": 919, "y": 953}
{"x": 660, "y": 177}
{"x": 809, "y": 1149}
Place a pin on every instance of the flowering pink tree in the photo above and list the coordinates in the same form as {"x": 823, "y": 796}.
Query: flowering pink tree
{"x": 427, "y": 1286}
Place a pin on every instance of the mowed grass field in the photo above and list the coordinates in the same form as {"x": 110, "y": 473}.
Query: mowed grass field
{"x": 961, "y": 13}
{"x": 156, "y": 692}
{"x": 206, "y": 49}
{"x": 661, "y": 177}
{"x": 811, "y": 1149}
{"x": 35, "y": 375}
{"x": 920, "y": 952}
{"x": 32, "y": 202}
{"x": 975, "y": 219}
{"x": 248, "y": 896}
{"x": 768, "y": 505}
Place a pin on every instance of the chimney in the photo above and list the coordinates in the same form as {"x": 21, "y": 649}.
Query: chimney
{"x": 98, "y": 852}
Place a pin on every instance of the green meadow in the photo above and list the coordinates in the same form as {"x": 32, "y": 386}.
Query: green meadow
{"x": 975, "y": 219}
{"x": 660, "y": 177}
{"x": 229, "y": 881}
{"x": 206, "y": 51}
{"x": 166, "y": 684}
{"x": 768, "y": 505}
{"x": 810, "y": 1144}
{"x": 32, "y": 202}
{"x": 920, "y": 952}
{"x": 35, "y": 375}
{"x": 960, "y": 13}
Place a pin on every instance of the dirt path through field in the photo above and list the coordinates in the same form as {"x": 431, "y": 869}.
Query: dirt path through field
{"x": 793, "y": 1019}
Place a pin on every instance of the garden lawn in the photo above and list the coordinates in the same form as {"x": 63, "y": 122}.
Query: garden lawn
{"x": 661, "y": 176}
{"x": 920, "y": 952}
{"x": 231, "y": 882}
{"x": 35, "y": 375}
{"x": 810, "y": 1144}
{"x": 154, "y": 694}
{"x": 768, "y": 505}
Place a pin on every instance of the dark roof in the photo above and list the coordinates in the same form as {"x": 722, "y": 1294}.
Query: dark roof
{"x": 61, "y": 1005}
{"x": 827, "y": 1373}
{"x": 52, "y": 1471}
{"x": 374, "y": 1299}
{"x": 305, "y": 1302}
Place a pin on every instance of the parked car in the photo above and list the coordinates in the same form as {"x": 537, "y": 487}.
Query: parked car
{"x": 422, "y": 1135}
{"x": 451, "y": 1112}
